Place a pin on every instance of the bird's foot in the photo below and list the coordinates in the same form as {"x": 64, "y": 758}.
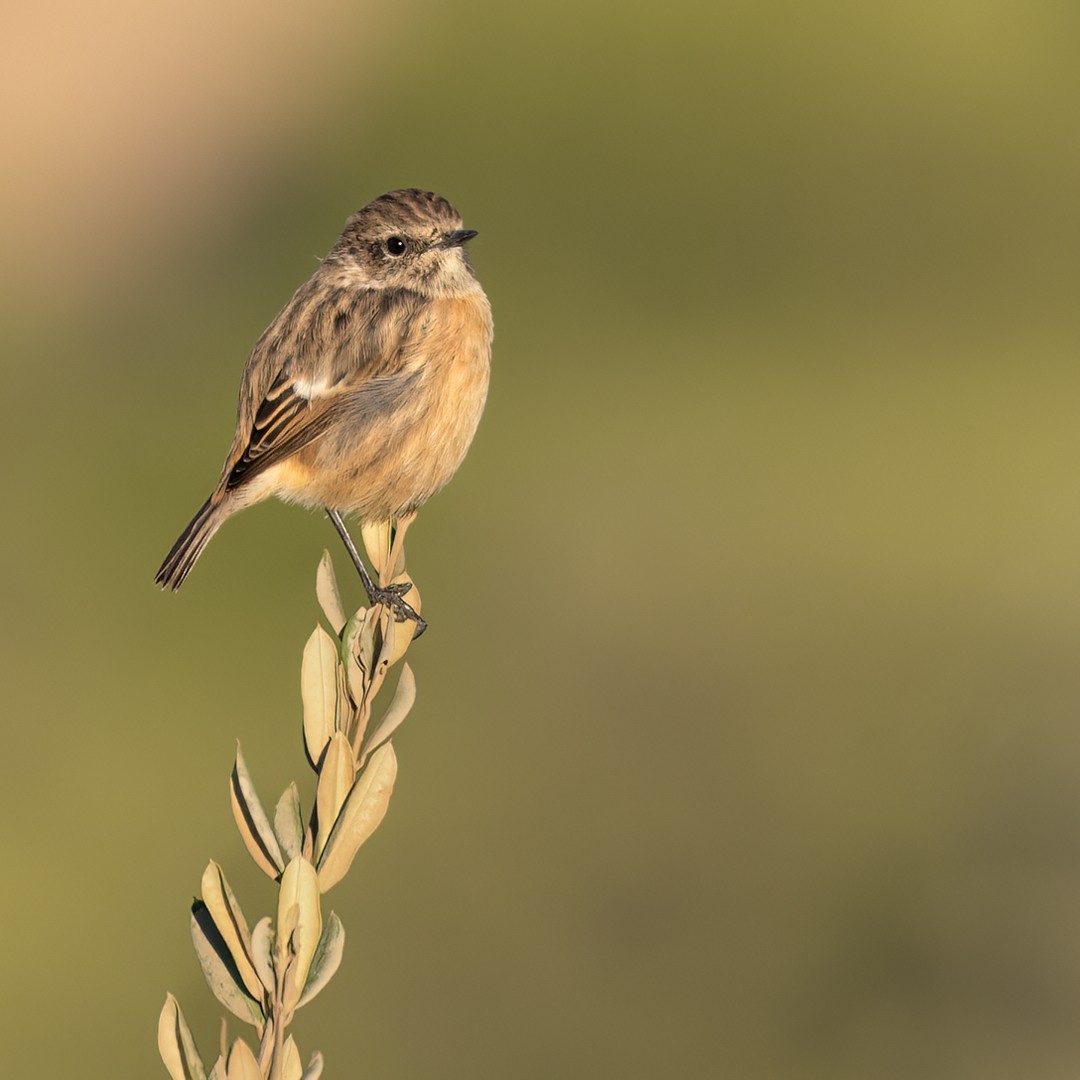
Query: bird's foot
{"x": 392, "y": 597}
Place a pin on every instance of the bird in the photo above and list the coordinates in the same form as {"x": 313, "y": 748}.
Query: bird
{"x": 364, "y": 393}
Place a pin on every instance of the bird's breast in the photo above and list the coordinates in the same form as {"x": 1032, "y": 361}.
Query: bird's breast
{"x": 391, "y": 465}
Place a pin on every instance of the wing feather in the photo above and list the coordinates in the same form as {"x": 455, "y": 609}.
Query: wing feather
{"x": 353, "y": 345}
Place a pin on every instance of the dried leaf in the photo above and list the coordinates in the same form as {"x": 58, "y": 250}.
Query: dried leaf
{"x": 252, "y": 822}
{"x": 336, "y": 778}
{"x": 218, "y": 1071}
{"x": 396, "y": 562}
{"x": 262, "y": 945}
{"x": 318, "y": 688}
{"x": 377, "y": 536}
{"x": 326, "y": 960}
{"x": 392, "y": 641}
{"x": 220, "y": 969}
{"x": 326, "y": 589}
{"x": 291, "y": 1068}
{"x": 398, "y": 643}
{"x": 299, "y": 928}
{"x": 289, "y": 822}
{"x": 359, "y": 651}
{"x": 241, "y": 1063}
{"x": 345, "y": 710}
{"x": 315, "y": 1067}
{"x": 364, "y": 808}
{"x": 402, "y": 702}
{"x": 175, "y": 1044}
{"x": 231, "y": 925}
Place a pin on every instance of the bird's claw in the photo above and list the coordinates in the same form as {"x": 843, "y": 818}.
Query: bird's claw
{"x": 392, "y": 597}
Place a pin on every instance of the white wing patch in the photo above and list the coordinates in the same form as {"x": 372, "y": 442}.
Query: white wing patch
{"x": 311, "y": 388}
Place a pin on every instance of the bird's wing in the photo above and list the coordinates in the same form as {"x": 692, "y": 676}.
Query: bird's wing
{"x": 349, "y": 359}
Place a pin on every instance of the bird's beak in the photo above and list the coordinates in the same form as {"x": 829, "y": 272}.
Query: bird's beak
{"x": 458, "y": 237}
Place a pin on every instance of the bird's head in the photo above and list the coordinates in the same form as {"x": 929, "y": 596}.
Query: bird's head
{"x": 407, "y": 239}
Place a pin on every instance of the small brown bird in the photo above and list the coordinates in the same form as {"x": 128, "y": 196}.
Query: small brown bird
{"x": 364, "y": 393}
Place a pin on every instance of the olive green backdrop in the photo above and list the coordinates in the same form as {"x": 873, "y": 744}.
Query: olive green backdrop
{"x": 748, "y": 732}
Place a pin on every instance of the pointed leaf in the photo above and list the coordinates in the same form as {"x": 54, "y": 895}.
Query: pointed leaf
{"x": 358, "y": 651}
{"x": 360, "y": 816}
{"x": 262, "y": 945}
{"x": 219, "y": 968}
{"x": 345, "y": 707}
{"x": 401, "y": 703}
{"x": 241, "y": 1063}
{"x": 289, "y": 822}
{"x": 326, "y": 589}
{"x": 396, "y": 563}
{"x": 326, "y": 960}
{"x": 299, "y": 928}
{"x": 404, "y": 632}
{"x": 218, "y": 1071}
{"x": 377, "y": 536}
{"x": 336, "y": 778}
{"x": 231, "y": 925}
{"x": 291, "y": 1068}
{"x": 315, "y": 1067}
{"x": 318, "y": 688}
{"x": 175, "y": 1044}
{"x": 252, "y": 822}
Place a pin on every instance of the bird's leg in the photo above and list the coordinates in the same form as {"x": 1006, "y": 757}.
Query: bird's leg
{"x": 392, "y": 596}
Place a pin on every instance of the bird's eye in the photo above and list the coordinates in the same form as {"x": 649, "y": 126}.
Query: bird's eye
{"x": 395, "y": 246}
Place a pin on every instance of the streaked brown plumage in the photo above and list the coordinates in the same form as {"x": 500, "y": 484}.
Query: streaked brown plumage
{"x": 364, "y": 393}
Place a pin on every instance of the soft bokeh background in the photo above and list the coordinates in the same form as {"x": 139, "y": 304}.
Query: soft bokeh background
{"x": 748, "y": 738}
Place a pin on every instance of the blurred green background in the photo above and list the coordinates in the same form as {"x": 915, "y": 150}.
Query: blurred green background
{"x": 747, "y": 742}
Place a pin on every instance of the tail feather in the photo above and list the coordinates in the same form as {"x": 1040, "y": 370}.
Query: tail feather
{"x": 189, "y": 546}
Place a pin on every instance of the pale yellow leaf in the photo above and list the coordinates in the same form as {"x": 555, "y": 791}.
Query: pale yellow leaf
{"x": 364, "y": 808}
{"x": 396, "y": 562}
{"x": 326, "y": 589}
{"x": 242, "y": 1064}
{"x": 175, "y": 1044}
{"x": 291, "y": 1068}
{"x": 220, "y": 969}
{"x": 231, "y": 925}
{"x": 262, "y": 944}
{"x": 326, "y": 960}
{"x": 288, "y": 822}
{"x": 299, "y": 928}
{"x": 335, "y": 780}
{"x": 252, "y": 822}
{"x": 398, "y": 642}
{"x": 376, "y": 536}
{"x": 318, "y": 688}
{"x": 400, "y": 704}
{"x": 360, "y": 648}
{"x": 315, "y": 1067}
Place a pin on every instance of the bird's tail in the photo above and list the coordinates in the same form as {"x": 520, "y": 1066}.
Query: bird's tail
{"x": 188, "y": 548}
